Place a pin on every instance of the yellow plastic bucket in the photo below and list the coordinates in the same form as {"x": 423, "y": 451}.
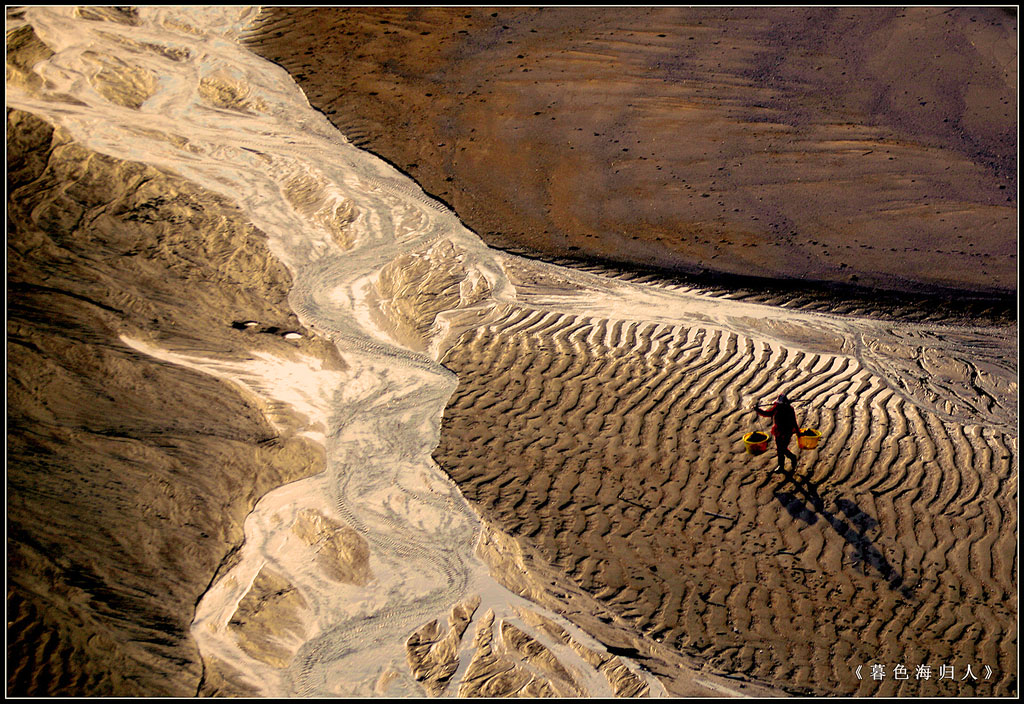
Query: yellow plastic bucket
{"x": 756, "y": 442}
{"x": 808, "y": 438}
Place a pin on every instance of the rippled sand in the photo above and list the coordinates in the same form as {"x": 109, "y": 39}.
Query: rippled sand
{"x": 602, "y": 441}
{"x": 610, "y": 451}
{"x": 242, "y": 343}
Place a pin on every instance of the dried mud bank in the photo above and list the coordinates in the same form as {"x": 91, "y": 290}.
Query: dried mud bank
{"x": 870, "y": 147}
{"x": 129, "y": 478}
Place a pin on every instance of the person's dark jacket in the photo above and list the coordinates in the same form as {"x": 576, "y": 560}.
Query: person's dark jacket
{"x": 785, "y": 419}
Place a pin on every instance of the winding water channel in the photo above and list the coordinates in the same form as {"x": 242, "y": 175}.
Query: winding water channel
{"x": 337, "y": 217}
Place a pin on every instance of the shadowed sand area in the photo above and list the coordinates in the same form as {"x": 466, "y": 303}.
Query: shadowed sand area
{"x": 859, "y": 149}
{"x": 854, "y": 146}
{"x": 609, "y": 450}
{"x": 237, "y": 344}
{"x": 129, "y": 479}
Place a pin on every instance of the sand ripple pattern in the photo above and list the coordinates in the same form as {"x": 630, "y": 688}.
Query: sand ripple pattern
{"x": 597, "y": 420}
{"x": 613, "y": 447}
{"x": 171, "y": 87}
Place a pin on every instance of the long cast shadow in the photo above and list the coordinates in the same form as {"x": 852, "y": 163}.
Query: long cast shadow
{"x": 855, "y": 534}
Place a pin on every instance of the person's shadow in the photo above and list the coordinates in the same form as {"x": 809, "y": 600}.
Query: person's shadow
{"x": 807, "y": 504}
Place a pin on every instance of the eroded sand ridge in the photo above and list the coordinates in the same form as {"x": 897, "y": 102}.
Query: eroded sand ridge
{"x": 614, "y": 542}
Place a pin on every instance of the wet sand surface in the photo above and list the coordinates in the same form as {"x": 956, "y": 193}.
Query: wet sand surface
{"x": 854, "y": 146}
{"x": 602, "y": 447}
{"x": 609, "y": 449}
{"x": 239, "y": 344}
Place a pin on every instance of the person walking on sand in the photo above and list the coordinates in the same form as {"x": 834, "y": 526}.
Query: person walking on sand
{"x": 784, "y": 428}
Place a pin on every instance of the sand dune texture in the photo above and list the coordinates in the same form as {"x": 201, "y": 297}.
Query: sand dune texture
{"x": 609, "y": 451}
{"x": 166, "y": 402}
{"x": 854, "y": 146}
{"x": 237, "y": 344}
{"x": 129, "y": 478}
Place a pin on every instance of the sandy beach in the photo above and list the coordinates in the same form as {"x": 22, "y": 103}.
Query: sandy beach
{"x": 419, "y": 363}
{"x": 130, "y": 479}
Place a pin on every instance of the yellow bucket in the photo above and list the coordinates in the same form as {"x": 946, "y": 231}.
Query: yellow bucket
{"x": 808, "y": 438}
{"x": 756, "y": 442}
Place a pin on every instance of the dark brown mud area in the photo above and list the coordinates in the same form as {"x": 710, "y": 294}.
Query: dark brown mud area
{"x": 873, "y": 149}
